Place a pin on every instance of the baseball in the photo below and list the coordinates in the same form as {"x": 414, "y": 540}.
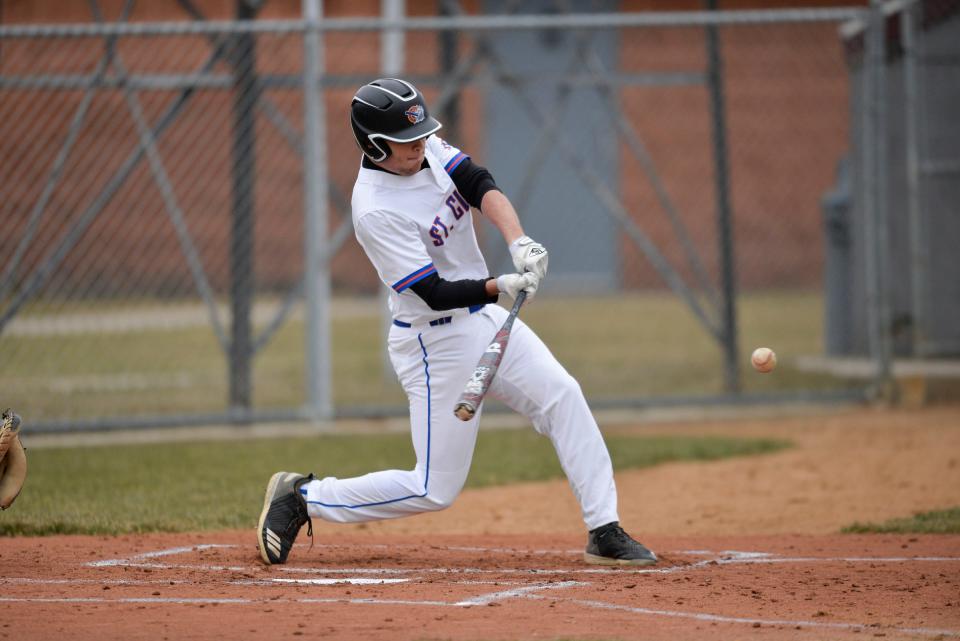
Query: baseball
{"x": 763, "y": 359}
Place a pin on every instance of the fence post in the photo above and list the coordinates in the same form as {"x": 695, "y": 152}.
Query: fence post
{"x": 319, "y": 402}
{"x": 392, "y": 62}
{"x": 245, "y": 97}
{"x": 875, "y": 207}
{"x": 731, "y": 370}
{"x": 913, "y": 113}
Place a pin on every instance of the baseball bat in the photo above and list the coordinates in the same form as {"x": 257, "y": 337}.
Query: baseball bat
{"x": 476, "y": 388}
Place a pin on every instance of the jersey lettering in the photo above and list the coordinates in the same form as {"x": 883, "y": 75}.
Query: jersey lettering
{"x": 437, "y": 229}
{"x": 457, "y": 204}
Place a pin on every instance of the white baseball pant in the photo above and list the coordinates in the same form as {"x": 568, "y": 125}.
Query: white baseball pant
{"x": 433, "y": 363}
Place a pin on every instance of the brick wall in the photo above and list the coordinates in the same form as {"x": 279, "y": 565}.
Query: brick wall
{"x": 786, "y": 100}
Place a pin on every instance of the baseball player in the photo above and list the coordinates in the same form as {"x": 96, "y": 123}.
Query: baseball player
{"x": 412, "y": 215}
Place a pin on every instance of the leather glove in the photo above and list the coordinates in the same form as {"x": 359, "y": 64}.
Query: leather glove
{"x": 529, "y": 256}
{"x": 13, "y": 460}
{"x": 513, "y": 284}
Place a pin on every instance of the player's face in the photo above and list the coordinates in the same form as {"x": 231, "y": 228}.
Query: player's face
{"x": 405, "y": 157}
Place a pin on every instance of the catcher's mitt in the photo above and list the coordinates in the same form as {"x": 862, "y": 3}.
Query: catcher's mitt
{"x": 13, "y": 460}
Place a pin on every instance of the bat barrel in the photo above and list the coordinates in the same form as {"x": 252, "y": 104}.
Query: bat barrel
{"x": 486, "y": 369}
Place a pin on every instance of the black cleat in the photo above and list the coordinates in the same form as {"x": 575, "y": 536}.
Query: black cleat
{"x": 284, "y": 513}
{"x": 610, "y": 545}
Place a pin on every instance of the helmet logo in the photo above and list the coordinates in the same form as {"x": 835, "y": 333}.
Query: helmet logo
{"x": 414, "y": 114}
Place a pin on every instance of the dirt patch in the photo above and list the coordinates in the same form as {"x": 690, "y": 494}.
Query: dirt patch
{"x": 854, "y": 465}
{"x": 748, "y": 549}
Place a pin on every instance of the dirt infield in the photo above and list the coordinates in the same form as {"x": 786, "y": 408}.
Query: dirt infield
{"x": 748, "y": 549}
{"x": 211, "y": 586}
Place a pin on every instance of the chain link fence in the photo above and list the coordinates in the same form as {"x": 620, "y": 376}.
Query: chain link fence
{"x": 177, "y": 242}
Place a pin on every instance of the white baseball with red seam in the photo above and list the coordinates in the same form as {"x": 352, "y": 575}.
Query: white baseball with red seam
{"x": 763, "y": 359}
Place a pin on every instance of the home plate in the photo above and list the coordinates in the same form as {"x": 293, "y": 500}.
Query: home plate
{"x": 340, "y": 580}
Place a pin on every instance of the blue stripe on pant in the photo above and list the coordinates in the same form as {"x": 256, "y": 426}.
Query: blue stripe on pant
{"x": 426, "y": 482}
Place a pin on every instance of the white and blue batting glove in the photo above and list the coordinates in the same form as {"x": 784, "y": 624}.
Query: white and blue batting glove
{"x": 513, "y": 284}
{"x": 529, "y": 256}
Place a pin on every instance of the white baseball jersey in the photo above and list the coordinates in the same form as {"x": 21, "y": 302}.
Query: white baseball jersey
{"x": 415, "y": 226}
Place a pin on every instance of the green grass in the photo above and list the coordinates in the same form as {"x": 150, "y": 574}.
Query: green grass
{"x": 936, "y": 522}
{"x": 217, "y": 485}
{"x": 631, "y": 345}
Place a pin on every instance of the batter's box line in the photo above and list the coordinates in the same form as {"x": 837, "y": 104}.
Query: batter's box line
{"x": 277, "y": 582}
{"x": 129, "y": 560}
{"x": 144, "y": 560}
{"x": 726, "y": 557}
{"x": 353, "y": 581}
{"x": 479, "y": 600}
{"x": 719, "y": 618}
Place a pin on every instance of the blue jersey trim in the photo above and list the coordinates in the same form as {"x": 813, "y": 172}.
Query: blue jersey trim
{"x": 426, "y": 481}
{"x": 454, "y": 162}
{"x": 415, "y": 277}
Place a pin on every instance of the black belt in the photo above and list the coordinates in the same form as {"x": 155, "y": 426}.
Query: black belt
{"x": 443, "y": 320}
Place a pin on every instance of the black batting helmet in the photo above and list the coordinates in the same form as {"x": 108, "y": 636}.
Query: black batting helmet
{"x": 389, "y": 109}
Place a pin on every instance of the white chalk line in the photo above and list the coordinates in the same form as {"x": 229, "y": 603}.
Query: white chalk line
{"x": 158, "y": 553}
{"x": 524, "y": 593}
{"x": 363, "y": 581}
{"x": 371, "y": 601}
{"x": 180, "y": 566}
{"x": 727, "y": 557}
{"x": 483, "y": 599}
{"x": 13, "y": 580}
{"x": 545, "y": 571}
{"x": 719, "y": 618}
{"x": 278, "y": 582}
{"x": 423, "y": 570}
{"x": 181, "y": 600}
{"x": 486, "y": 599}
{"x": 339, "y": 581}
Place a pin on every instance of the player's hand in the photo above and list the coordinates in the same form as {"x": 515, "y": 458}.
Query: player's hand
{"x": 529, "y": 256}
{"x": 513, "y": 284}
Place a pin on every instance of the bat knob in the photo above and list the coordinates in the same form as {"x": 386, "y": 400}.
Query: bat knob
{"x": 464, "y": 411}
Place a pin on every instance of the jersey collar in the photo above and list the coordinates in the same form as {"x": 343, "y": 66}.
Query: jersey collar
{"x": 369, "y": 164}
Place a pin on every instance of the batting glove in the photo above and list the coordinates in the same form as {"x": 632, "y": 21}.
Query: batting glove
{"x": 529, "y": 256}
{"x": 513, "y": 284}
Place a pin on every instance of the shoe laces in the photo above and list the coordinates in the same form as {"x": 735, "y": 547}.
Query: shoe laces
{"x": 616, "y": 532}
{"x": 303, "y": 516}
{"x": 310, "y": 530}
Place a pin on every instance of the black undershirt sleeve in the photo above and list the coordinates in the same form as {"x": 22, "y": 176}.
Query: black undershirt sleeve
{"x": 442, "y": 294}
{"x": 472, "y": 181}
